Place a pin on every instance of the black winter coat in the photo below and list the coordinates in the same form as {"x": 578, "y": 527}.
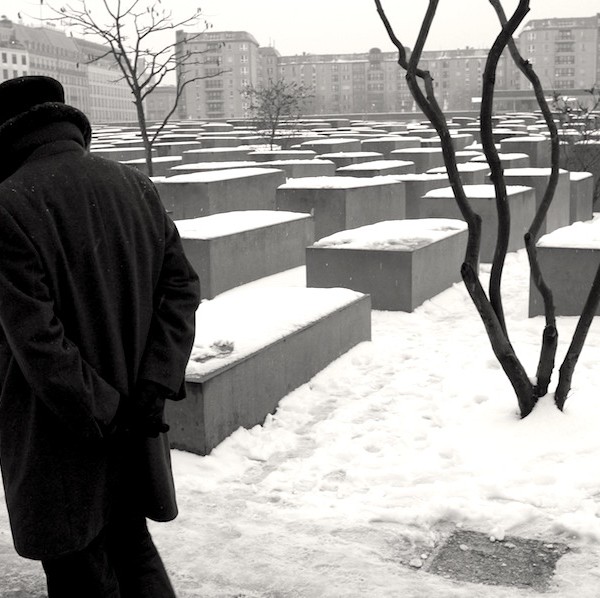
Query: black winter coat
{"x": 95, "y": 295}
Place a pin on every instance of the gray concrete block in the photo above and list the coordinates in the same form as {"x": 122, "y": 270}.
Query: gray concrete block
{"x": 569, "y": 258}
{"x": 242, "y": 391}
{"x": 582, "y": 196}
{"x": 339, "y": 203}
{"x": 440, "y": 203}
{"x": 537, "y": 178}
{"x": 400, "y": 277}
{"x": 234, "y": 248}
{"x": 202, "y": 194}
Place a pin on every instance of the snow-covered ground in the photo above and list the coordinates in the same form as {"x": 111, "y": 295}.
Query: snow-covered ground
{"x": 377, "y": 459}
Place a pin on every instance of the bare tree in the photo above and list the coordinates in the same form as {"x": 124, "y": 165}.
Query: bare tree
{"x": 133, "y": 34}
{"x": 272, "y": 104}
{"x": 489, "y": 306}
{"x": 580, "y": 134}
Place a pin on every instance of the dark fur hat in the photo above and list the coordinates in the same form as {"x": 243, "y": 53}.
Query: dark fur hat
{"x": 22, "y": 93}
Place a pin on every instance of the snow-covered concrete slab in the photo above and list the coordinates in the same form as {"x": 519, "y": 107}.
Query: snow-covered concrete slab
{"x": 508, "y": 160}
{"x": 386, "y": 145}
{"x": 400, "y": 263}
{"x": 161, "y": 165}
{"x": 204, "y": 193}
{"x": 233, "y": 248}
{"x": 216, "y": 154}
{"x": 377, "y": 168}
{"x": 424, "y": 158}
{"x": 332, "y": 144}
{"x": 537, "y": 147}
{"x": 471, "y": 173}
{"x": 255, "y": 346}
{"x": 537, "y": 178}
{"x": 582, "y": 196}
{"x": 416, "y": 186}
{"x": 338, "y": 203}
{"x": 440, "y": 203}
{"x": 569, "y": 258}
{"x": 346, "y": 158}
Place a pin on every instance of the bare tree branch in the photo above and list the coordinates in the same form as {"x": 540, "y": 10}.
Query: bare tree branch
{"x": 126, "y": 28}
{"x": 492, "y": 157}
{"x": 430, "y": 107}
{"x": 550, "y": 335}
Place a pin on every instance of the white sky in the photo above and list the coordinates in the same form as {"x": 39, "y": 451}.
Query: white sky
{"x": 331, "y": 26}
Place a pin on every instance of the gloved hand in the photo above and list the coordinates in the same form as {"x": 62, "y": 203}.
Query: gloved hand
{"x": 147, "y": 409}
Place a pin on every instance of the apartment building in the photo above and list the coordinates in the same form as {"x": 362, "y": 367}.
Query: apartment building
{"x": 349, "y": 83}
{"x": 91, "y": 81}
{"x": 358, "y": 83}
{"x": 564, "y": 52}
{"x": 221, "y": 65}
{"x": 160, "y": 102}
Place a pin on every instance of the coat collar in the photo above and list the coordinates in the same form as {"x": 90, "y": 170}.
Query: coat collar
{"x": 43, "y": 129}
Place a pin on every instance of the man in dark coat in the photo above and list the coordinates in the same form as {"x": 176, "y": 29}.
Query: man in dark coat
{"x": 97, "y": 307}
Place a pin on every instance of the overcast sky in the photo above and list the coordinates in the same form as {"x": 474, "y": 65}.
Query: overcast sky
{"x": 331, "y": 26}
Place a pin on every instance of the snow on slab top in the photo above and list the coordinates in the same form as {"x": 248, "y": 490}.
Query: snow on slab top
{"x": 201, "y": 166}
{"x": 579, "y": 176}
{"x": 422, "y": 176}
{"x": 246, "y": 321}
{"x": 475, "y": 191}
{"x": 394, "y": 235}
{"x": 219, "y": 150}
{"x": 579, "y": 235}
{"x": 339, "y": 182}
{"x": 120, "y": 149}
{"x": 525, "y": 138}
{"x": 418, "y": 150}
{"x": 155, "y": 160}
{"x": 309, "y": 161}
{"x": 395, "y": 138}
{"x": 352, "y": 155}
{"x": 230, "y": 223}
{"x": 219, "y": 175}
{"x": 465, "y": 167}
{"x": 376, "y": 164}
{"x": 531, "y": 171}
{"x": 509, "y": 156}
{"x": 330, "y": 140}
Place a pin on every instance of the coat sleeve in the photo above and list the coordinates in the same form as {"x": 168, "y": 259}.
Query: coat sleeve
{"x": 50, "y": 363}
{"x": 172, "y": 330}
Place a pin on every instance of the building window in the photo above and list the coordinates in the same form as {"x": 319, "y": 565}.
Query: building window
{"x": 564, "y": 72}
{"x": 565, "y": 60}
{"x": 14, "y": 59}
{"x": 565, "y": 47}
{"x": 565, "y": 84}
{"x": 244, "y": 58}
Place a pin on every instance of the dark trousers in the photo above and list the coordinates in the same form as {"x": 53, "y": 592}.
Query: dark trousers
{"x": 122, "y": 562}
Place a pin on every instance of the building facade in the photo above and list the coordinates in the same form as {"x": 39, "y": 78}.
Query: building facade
{"x": 367, "y": 83}
{"x": 91, "y": 80}
{"x": 160, "y": 102}
{"x": 221, "y": 64}
{"x": 565, "y": 53}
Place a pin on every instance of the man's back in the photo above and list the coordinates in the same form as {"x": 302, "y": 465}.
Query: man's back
{"x": 99, "y": 230}
{"x": 96, "y": 300}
